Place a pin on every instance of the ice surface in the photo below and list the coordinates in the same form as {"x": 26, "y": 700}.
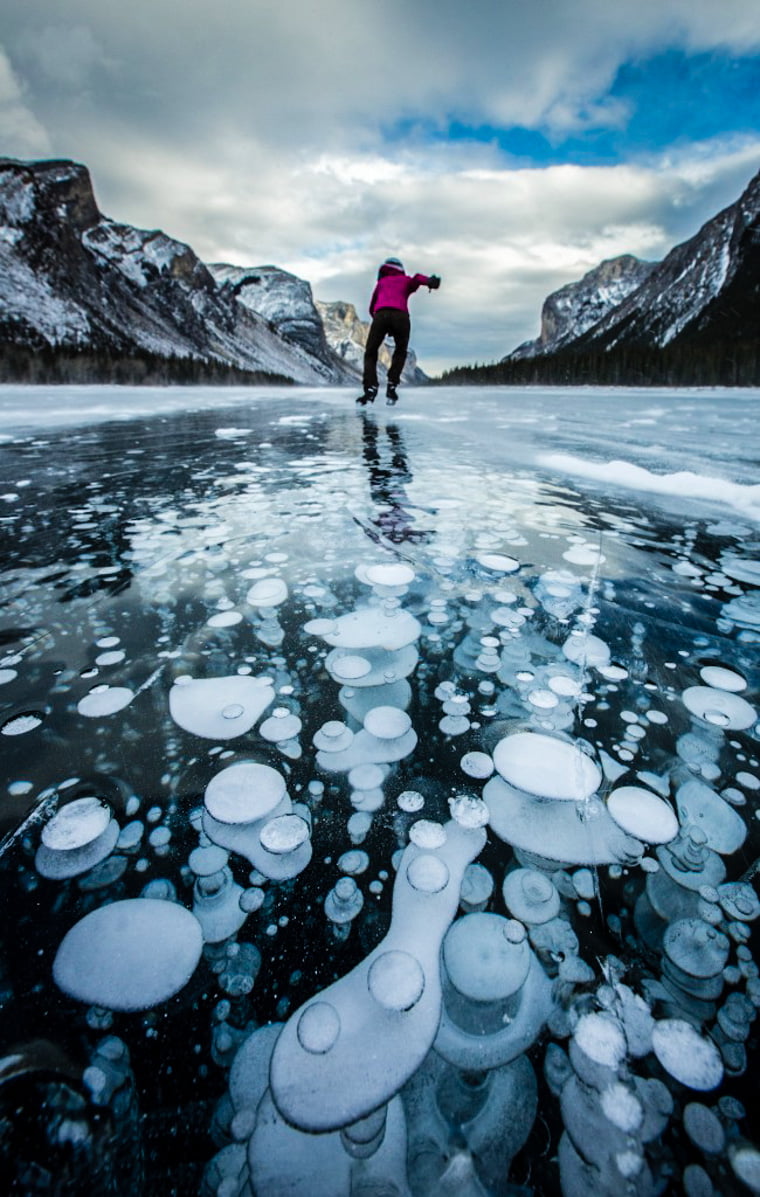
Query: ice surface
{"x": 395, "y": 618}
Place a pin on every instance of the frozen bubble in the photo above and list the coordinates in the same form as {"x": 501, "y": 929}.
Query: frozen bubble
{"x": 333, "y": 736}
{"x": 719, "y": 707}
{"x": 244, "y": 792}
{"x": 206, "y": 861}
{"x": 476, "y": 888}
{"x": 366, "y": 777}
{"x": 285, "y": 833}
{"x": 281, "y": 725}
{"x": 622, "y": 1108}
{"x": 359, "y": 825}
{"x": 546, "y": 766}
{"x": 344, "y": 901}
{"x": 469, "y": 811}
{"x": 477, "y": 764}
{"x": 76, "y": 824}
{"x": 427, "y": 834}
{"x": 699, "y": 805}
{"x": 318, "y": 1027}
{"x": 530, "y": 896}
{"x": 601, "y": 1038}
{"x": 486, "y": 956}
{"x": 396, "y": 980}
{"x": 498, "y": 562}
{"x": 372, "y": 628}
{"x": 251, "y": 899}
{"x": 584, "y": 649}
{"x": 130, "y": 955}
{"x": 704, "y": 1128}
{"x": 739, "y": 900}
{"x": 565, "y": 687}
{"x": 427, "y": 873}
{"x": 349, "y": 667}
{"x": 105, "y": 700}
{"x": 19, "y": 725}
{"x": 219, "y": 708}
{"x": 643, "y": 814}
{"x": 695, "y": 947}
{"x": 543, "y": 699}
{"x": 111, "y": 658}
{"x": 720, "y": 678}
{"x": 584, "y": 554}
{"x": 686, "y": 1055}
{"x": 354, "y": 862}
{"x": 387, "y": 723}
{"x": 745, "y": 1161}
{"x": 224, "y": 619}
{"x": 410, "y": 801}
{"x": 742, "y": 569}
{"x": 454, "y": 725}
{"x": 390, "y": 574}
{"x": 7, "y": 675}
{"x": 268, "y": 592}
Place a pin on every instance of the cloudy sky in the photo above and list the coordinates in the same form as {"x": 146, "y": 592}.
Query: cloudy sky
{"x": 508, "y": 145}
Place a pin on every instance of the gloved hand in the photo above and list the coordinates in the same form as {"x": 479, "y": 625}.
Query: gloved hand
{"x": 434, "y": 282}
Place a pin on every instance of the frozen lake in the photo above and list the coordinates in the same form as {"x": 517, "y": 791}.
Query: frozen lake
{"x": 379, "y": 791}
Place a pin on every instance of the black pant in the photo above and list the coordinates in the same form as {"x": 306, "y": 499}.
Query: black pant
{"x": 386, "y": 322}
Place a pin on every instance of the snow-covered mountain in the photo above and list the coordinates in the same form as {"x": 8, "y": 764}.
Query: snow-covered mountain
{"x": 75, "y": 285}
{"x": 706, "y": 292}
{"x": 347, "y": 335}
{"x": 577, "y": 307}
{"x": 706, "y": 288}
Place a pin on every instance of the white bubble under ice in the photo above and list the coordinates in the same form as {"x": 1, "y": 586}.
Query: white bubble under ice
{"x": 130, "y": 955}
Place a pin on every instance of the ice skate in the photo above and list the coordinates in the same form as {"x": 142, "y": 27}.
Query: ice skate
{"x": 367, "y": 397}
{"x": 391, "y": 395}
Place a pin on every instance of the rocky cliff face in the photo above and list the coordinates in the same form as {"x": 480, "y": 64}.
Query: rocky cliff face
{"x": 706, "y": 288}
{"x": 71, "y": 280}
{"x": 347, "y": 336}
{"x": 706, "y": 292}
{"x": 568, "y": 313}
{"x": 283, "y": 300}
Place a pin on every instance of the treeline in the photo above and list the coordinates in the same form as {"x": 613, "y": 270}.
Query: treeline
{"x": 48, "y": 365}
{"x": 728, "y": 363}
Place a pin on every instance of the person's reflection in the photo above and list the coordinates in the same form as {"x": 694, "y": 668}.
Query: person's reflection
{"x": 388, "y": 468}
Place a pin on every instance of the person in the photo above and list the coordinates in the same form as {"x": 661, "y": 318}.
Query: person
{"x": 390, "y": 317}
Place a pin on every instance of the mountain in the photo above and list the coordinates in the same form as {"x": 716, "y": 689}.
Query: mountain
{"x": 577, "y": 307}
{"x": 347, "y": 335}
{"x": 708, "y": 288}
{"x": 83, "y": 298}
{"x": 693, "y": 319}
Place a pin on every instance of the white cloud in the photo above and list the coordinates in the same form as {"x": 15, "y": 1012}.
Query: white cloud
{"x": 265, "y": 132}
{"x": 21, "y": 134}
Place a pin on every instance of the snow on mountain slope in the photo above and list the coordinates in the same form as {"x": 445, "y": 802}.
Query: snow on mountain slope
{"x": 577, "y": 307}
{"x": 72, "y": 279}
{"x": 684, "y": 294}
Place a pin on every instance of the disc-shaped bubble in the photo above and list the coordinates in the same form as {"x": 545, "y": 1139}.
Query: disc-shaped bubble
{"x": 643, "y": 814}
{"x": 130, "y": 955}
{"x": 396, "y": 980}
{"x": 76, "y": 824}
{"x": 686, "y": 1055}
{"x": 546, "y": 766}
{"x": 719, "y": 707}
{"x": 318, "y": 1027}
{"x": 244, "y": 792}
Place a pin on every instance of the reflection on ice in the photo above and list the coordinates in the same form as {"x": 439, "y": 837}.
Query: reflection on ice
{"x": 373, "y": 839}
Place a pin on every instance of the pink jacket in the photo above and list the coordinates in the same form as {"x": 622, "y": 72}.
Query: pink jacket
{"x": 393, "y": 289}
